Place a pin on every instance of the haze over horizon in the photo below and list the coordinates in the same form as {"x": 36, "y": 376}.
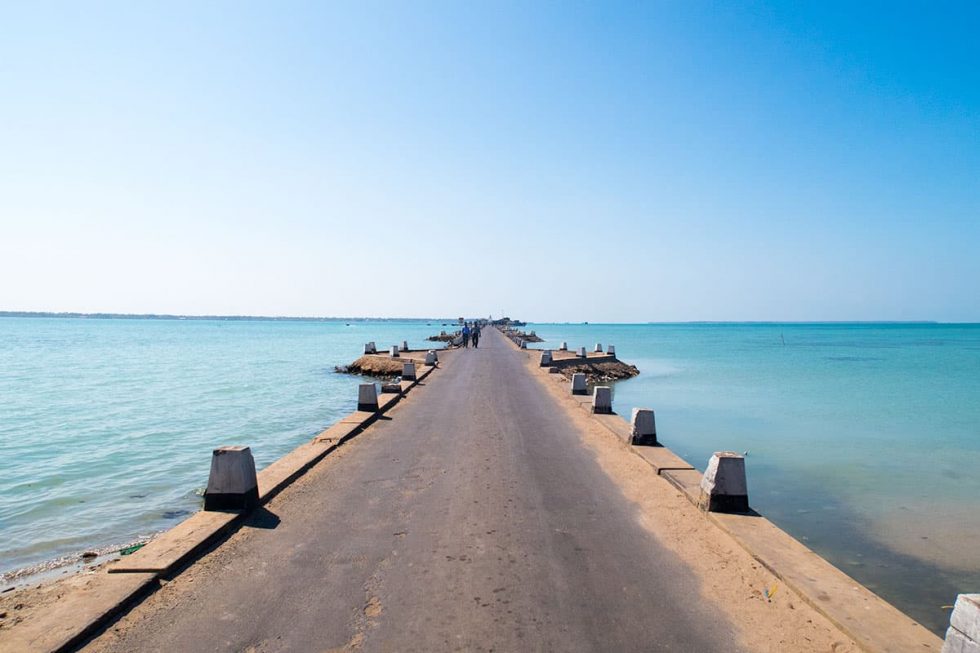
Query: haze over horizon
{"x": 605, "y": 163}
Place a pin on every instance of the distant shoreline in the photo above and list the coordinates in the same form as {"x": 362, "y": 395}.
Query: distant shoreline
{"x": 268, "y": 318}
{"x": 447, "y": 320}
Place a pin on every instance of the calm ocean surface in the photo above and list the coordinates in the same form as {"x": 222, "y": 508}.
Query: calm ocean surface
{"x": 863, "y": 439}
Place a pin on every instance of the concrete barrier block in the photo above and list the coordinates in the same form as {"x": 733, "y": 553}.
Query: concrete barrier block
{"x": 232, "y": 484}
{"x": 611, "y": 349}
{"x": 581, "y": 352}
{"x": 367, "y": 397}
{"x": 523, "y": 344}
{"x": 532, "y": 334}
{"x": 370, "y": 348}
{"x": 408, "y": 371}
{"x": 598, "y": 348}
{"x": 644, "y": 427}
{"x": 957, "y": 642}
{"x": 602, "y": 400}
{"x": 966, "y": 619}
{"x": 404, "y": 345}
{"x": 430, "y": 358}
{"x": 578, "y": 384}
{"x": 723, "y": 487}
{"x": 546, "y": 358}
{"x": 563, "y": 346}
{"x": 393, "y": 352}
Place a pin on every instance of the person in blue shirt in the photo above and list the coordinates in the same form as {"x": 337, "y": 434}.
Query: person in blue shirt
{"x": 466, "y": 334}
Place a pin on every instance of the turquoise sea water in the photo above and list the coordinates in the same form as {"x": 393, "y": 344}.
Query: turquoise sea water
{"x": 863, "y": 439}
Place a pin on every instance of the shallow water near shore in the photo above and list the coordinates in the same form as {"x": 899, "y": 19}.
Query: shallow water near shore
{"x": 862, "y": 439}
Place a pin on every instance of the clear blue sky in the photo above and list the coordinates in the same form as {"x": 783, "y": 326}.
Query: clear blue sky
{"x": 602, "y": 162}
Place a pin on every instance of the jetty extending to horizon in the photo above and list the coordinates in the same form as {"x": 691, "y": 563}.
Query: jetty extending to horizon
{"x": 481, "y": 500}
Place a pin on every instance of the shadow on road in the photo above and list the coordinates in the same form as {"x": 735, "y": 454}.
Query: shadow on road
{"x": 262, "y": 518}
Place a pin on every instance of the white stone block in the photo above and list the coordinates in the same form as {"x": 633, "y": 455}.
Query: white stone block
{"x": 578, "y": 384}
{"x": 644, "y": 425}
{"x": 966, "y": 615}
{"x": 369, "y": 348}
{"x": 723, "y": 486}
{"x": 367, "y": 397}
{"x": 408, "y": 371}
{"x": 393, "y": 352}
{"x": 581, "y": 352}
{"x": 232, "y": 484}
{"x": 611, "y": 349}
{"x": 546, "y": 358}
{"x": 957, "y": 642}
{"x": 602, "y": 400}
{"x": 404, "y": 345}
{"x": 598, "y": 348}
{"x": 564, "y": 346}
{"x": 523, "y": 344}
{"x": 430, "y": 358}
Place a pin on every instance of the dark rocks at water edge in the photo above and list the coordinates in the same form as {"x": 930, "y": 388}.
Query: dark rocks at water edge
{"x": 601, "y": 372}
{"x": 376, "y": 366}
{"x": 443, "y": 337}
{"x": 526, "y": 336}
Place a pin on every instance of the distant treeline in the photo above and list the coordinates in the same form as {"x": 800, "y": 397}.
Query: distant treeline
{"x": 154, "y": 316}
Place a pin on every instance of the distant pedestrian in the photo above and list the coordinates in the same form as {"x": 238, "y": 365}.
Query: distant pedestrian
{"x": 476, "y": 336}
{"x": 466, "y": 334}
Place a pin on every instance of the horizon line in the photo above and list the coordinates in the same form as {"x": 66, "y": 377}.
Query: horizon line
{"x": 312, "y": 318}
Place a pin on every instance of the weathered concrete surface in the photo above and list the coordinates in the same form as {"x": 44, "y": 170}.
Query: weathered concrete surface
{"x": 644, "y": 427}
{"x": 177, "y": 545}
{"x": 232, "y": 483}
{"x": 471, "y": 520}
{"x": 69, "y": 621}
{"x": 963, "y": 635}
{"x": 602, "y": 400}
{"x": 724, "y": 487}
{"x": 873, "y": 623}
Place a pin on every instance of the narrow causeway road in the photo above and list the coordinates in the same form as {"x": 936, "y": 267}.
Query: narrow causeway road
{"x": 470, "y": 519}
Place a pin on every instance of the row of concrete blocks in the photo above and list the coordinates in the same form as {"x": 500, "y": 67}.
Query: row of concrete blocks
{"x": 233, "y": 484}
{"x": 580, "y": 352}
{"x": 371, "y": 348}
{"x": 723, "y": 485}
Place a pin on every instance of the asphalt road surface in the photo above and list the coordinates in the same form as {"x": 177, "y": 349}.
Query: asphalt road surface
{"x": 472, "y": 520}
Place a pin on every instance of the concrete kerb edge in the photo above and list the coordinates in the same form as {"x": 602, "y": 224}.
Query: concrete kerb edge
{"x": 150, "y": 583}
{"x": 143, "y": 589}
{"x": 772, "y": 567}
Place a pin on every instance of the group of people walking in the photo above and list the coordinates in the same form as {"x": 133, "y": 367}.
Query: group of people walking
{"x": 471, "y": 334}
